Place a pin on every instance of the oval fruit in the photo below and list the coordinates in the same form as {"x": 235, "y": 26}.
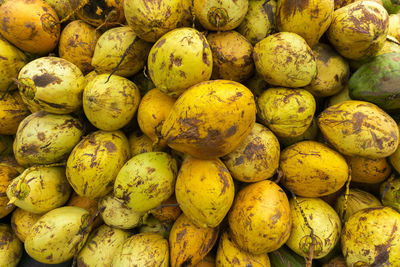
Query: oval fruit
{"x": 371, "y": 171}
{"x": 22, "y": 222}
{"x": 11, "y": 62}
{"x": 11, "y": 247}
{"x": 12, "y": 112}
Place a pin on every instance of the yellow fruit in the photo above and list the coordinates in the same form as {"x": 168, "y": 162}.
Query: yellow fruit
{"x": 100, "y": 247}
{"x": 58, "y": 234}
{"x": 342, "y": 3}
{"x": 188, "y": 243}
{"x": 207, "y": 261}
{"x": 339, "y": 97}
{"x": 11, "y": 248}
{"x": 229, "y": 254}
{"x": 144, "y": 249}
{"x": 146, "y": 180}
{"x": 256, "y": 158}
{"x": 40, "y": 190}
{"x": 217, "y": 15}
{"x": 287, "y": 112}
{"x": 22, "y": 222}
{"x": 110, "y": 104}
{"x": 151, "y": 20}
{"x": 324, "y": 221}
{"x": 312, "y": 169}
{"x": 77, "y": 42}
{"x": 309, "y": 19}
{"x": 32, "y": 25}
{"x": 86, "y": 203}
{"x": 112, "y": 45}
{"x": 63, "y": 8}
{"x": 231, "y": 53}
{"x": 204, "y": 190}
{"x": 359, "y": 30}
{"x": 197, "y": 131}
{"x": 168, "y": 211}
{"x": 102, "y": 12}
{"x": 332, "y": 72}
{"x": 95, "y": 162}
{"x": 179, "y": 59}
{"x": 52, "y": 84}
{"x": 259, "y": 21}
{"x": 152, "y": 112}
{"x": 259, "y": 219}
{"x": 12, "y": 112}
{"x": 116, "y": 214}
{"x": 45, "y": 138}
{"x": 371, "y": 171}
{"x": 11, "y": 62}
{"x": 141, "y": 143}
{"x": 359, "y": 128}
{"x": 394, "y": 26}
{"x": 7, "y": 174}
{"x": 285, "y": 59}
{"x": 371, "y": 237}
{"x": 310, "y": 134}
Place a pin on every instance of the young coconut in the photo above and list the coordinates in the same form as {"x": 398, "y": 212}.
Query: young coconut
{"x": 231, "y": 53}
{"x": 102, "y": 12}
{"x": 179, "y": 59}
{"x": 32, "y": 26}
{"x": 101, "y": 246}
{"x": 259, "y": 220}
{"x": 394, "y": 26}
{"x": 40, "y": 189}
{"x": 110, "y": 103}
{"x": 144, "y": 249}
{"x": 168, "y": 211}
{"x": 45, "y": 138}
{"x": 52, "y": 84}
{"x": 370, "y": 171}
{"x": 259, "y": 21}
{"x": 188, "y": 243}
{"x": 88, "y": 204}
{"x": 311, "y": 133}
{"x": 150, "y": 20}
{"x": 95, "y": 162}
{"x": 141, "y": 143}
{"x": 7, "y": 173}
{"x": 58, "y": 235}
{"x": 11, "y": 248}
{"x": 22, "y": 222}
{"x": 65, "y": 9}
{"x": 120, "y": 51}
{"x": 12, "y": 112}
{"x": 390, "y": 193}
{"x": 146, "y": 180}
{"x": 153, "y": 225}
{"x": 319, "y": 234}
{"x": 216, "y": 15}
{"x": 198, "y": 131}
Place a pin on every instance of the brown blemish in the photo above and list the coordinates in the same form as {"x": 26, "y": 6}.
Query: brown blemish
{"x": 45, "y": 79}
{"x": 230, "y": 131}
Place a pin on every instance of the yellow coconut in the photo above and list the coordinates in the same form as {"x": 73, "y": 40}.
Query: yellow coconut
{"x": 22, "y": 222}
{"x": 394, "y": 26}
{"x": 11, "y": 248}
{"x": 371, "y": 171}
{"x": 11, "y": 62}
{"x": 7, "y": 174}
{"x": 12, "y": 112}
{"x": 198, "y": 131}
{"x": 168, "y": 211}
{"x": 101, "y": 12}
{"x": 141, "y": 143}
{"x": 86, "y": 203}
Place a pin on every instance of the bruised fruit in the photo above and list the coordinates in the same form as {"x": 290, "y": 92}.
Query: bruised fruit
{"x": 259, "y": 220}
{"x": 168, "y": 211}
{"x": 146, "y": 180}
{"x": 11, "y": 248}
{"x": 192, "y": 127}
{"x": 22, "y": 222}
{"x": 95, "y": 162}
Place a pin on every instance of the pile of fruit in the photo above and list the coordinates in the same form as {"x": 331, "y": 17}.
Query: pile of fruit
{"x": 199, "y": 132}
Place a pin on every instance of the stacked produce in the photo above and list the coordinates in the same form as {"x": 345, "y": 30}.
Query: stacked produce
{"x": 199, "y": 133}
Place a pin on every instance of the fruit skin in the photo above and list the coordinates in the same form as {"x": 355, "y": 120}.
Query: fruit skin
{"x": 359, "y": 128}
{"x": 259, "y": 21}
{"x": 180, "y": 59}
{"x": 167, "y": 214}
{"x": 58, "y": 234}
{"x": 51, "y": 84}
{"x": 256, "y": 158}
{"x": 151, "y": 20}
{"x": 371, "y": 237}
{"x": 377, "y": 82}
{"x": 188, "y": 243}
{"x": 77, "y": 42}
{"x": 11, "y": 247}
{"x": 146, "y": 180}
{"x": 229, "y": 254}
{"x": 144, "y": 249}
{"x": 204, "y": 190}
{"x": 141, "y": 143}
{"x": 309, "y": 19}
{"x": 12, "y": 112}
{"x": 287, "y": 112}
{"x": 394, "y": 28}
{"x": 63, "y": 8}
{"x": 287, "y": 257}
{"x": 371, "y": 171}
{"x": 110, "y": 103}
{"x": 7, "y": 173}
{"x": 45, "y": 138}
{"x": 259, "y": 220}
{"x": 87, "y": 204}
{"x": 11, "y": 62}
{"x": 389, "y": 192}
{"x": 102, "y": 12}
{"x": 359, "y": 30}
{"x": 312, "y": 169}
{"x": 30, "y": 25}
{"x": 101, "y": 245}
{"x": 22, "y": 222}
{"x": 324, "y": 221}
{"x": 112, "y": 45}
{"x": 285, "y": 59}
{"x": 196, "y": 130}
{"x": 218, "y": 15}
{"x": 95, "y": 162}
